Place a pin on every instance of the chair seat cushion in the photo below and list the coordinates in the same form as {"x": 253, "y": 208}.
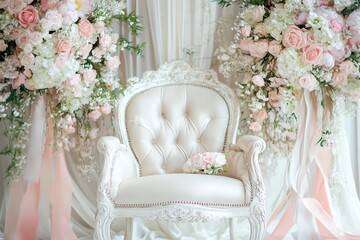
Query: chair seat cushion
{"x": 167, "y": 189}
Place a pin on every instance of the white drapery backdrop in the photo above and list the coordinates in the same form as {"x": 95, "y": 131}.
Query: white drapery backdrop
{"x": 178, "y": 29}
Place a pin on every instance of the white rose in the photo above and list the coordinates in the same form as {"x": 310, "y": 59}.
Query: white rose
{"x": 327, "y": 60}
{"x": 4, "y": 3}
{"x": 27, "y": 60}
{"x": 309, "y": 82}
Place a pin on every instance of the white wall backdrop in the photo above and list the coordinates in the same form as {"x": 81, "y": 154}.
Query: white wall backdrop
{"x": 173, "y": 29}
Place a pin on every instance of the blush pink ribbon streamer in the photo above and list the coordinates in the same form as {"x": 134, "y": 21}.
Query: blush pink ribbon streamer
{"x": 305, "y": 192}
{"x": 29, "y": 201}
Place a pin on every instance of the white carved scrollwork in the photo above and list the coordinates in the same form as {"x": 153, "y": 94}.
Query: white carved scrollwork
{"x": 182, "y": 215}
{"x": 259, "y": 212}
{"x": 260, "y": 191}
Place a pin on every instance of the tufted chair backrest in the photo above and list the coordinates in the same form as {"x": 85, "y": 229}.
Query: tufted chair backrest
{"x": 174, "y": 113}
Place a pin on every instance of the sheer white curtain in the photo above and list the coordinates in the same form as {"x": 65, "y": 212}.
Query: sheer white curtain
{"x": 173, "y": 29}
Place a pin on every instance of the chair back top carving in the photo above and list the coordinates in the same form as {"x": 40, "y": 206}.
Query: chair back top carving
{"x": 173, "y": 113}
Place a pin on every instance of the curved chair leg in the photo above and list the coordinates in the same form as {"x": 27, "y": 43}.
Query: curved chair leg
{"x": 232, "y": 228}
{"x": 102, "y": 227}
{"x": 129, "y": 228}
{"x": 257, "y": 227}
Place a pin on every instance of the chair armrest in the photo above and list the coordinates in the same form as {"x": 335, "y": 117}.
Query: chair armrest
{"x": 243, "y": 161}
{"x": 119, "y": 164}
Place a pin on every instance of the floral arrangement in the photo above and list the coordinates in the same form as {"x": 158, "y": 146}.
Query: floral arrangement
{"x": 284, "y": 47}
{"x": 65, "y": 50}
{"x": 207, "y": 162}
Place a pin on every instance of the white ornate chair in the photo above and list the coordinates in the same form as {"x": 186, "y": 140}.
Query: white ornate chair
{"x": 164, "y": 118}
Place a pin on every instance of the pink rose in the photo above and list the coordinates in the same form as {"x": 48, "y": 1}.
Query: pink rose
{"x": 245, "y": 31}
{"x": 84, "y": 50}
{"x": 18, "y": 81}
{"x": 346, "y": 67}
{"x": 13, "y": 33}
{"x": 48, "y": 4}
{"x": 294, "y": 37}
{"x": 86, "y": 29}
{"x": 63, "y": 46}
{"x": 339, "y": 79}
{"x": 260, "y": 115}
{"x": 99, "y": 27}
{"x": 245, "y": 44}
{"x": 23, "y": 39}
{"x": 273, "y": 96}
{"x": 341, "y": 53}
{"x": 309, "y": 82}
{"x": 105, "y": 41}
{"x": 4, "y": 96}
{"x": 337, "y": 25}
{"x": 89, "y": 76}
{"x": 3, "y": 45}
{"x": 4, "y": 3}
{"x": 310, "y": 37}
{"x": 260, "y": 29}
{"x": 105, "y": 108}
{"x": 274, "y": 99}
{"x": 27, "y": 60}
{"x": 95, "y": 115}
{"x": 258, "y": 80}
{"x": 15, "y": 6}
{"x": 28, "y": 16}
{"x": 255, "y": 126}
{"x": 98, "y": 52}
{"x": 254, "y": 14}
{"x": 112, "y": 62}
{"x": 27, "y": 73}
{"x": 274, "y": 48}
{"x": 327, "y": 60}
{"x": 312, "y": 54}
{"x": 259, "y": 49}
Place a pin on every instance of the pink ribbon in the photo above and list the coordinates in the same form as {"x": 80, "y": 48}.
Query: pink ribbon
{"x": 28, "y": 199}
{"x": 305, "y": 192}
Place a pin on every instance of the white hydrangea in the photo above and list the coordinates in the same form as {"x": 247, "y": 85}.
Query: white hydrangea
{"x": 339, "y": 5}
{"x": 47, "y": 49}
{"x": 52, "y": 21}
{"x": 290, "y": 66}
{"x": 279, "y": 20}
{"x": 47, "y": 73}
{"x": 68, "y": 12}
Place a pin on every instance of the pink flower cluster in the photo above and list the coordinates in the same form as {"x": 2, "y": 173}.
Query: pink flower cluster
{"x": 207, "y": 162}
{"x": 59, "y": 46}
{"x": 285, "y": 49}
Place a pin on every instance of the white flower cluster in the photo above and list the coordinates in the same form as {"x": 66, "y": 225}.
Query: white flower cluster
{"x": 285, "y": 47}
{"x": 207, "y": 162}
{"x": 65, "y": 49}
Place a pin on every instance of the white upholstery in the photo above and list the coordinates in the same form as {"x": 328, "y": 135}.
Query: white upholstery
{"x": 166, "y": 125}
{"x": 159, "y": 190}
{"x": 164, "y": 118}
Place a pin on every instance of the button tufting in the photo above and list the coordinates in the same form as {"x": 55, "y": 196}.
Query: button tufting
{"x": 198, "y": 140}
